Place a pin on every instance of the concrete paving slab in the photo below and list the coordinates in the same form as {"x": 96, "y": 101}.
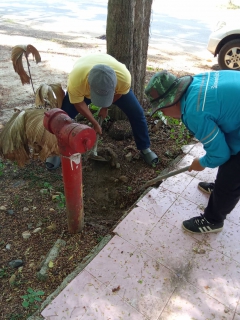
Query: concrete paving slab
{"x": 152, "y": 269}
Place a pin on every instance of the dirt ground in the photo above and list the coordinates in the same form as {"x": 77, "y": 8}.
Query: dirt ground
{"x": 28, "y": 201}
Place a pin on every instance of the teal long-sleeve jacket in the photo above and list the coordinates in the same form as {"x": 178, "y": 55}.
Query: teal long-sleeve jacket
{"x": 211, "y": 111}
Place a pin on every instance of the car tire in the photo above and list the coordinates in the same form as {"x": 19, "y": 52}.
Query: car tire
{"x": 229, "y": 55}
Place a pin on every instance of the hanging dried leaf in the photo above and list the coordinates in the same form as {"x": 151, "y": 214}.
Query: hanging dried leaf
{"x": 17, "y": 53}
{"x": 36, "y": 55}
{"x": 25, "y": 129}
{"x": 16, "y": 57}
{"x": 59, "y": 93}
{"x": 13, "y": 140}
{"x": 49, "y": 95}
{"x": 45, "y": 97}
{"x": 38, "y": 137}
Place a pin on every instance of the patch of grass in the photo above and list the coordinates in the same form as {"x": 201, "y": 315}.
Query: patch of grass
{"x": 232, "y": 6}
{"x": 149, "y": 68}
{"x": 15, "y": 316}
{"x": 178, "y": 130}
{"x": 10, "y": 21}
{"x": 38, "y": 176}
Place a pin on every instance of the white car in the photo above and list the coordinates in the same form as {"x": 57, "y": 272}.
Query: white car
{"x": 224, "y": 41}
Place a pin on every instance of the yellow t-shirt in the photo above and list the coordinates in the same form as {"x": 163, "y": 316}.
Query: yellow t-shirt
{"x": 78, "y": 86}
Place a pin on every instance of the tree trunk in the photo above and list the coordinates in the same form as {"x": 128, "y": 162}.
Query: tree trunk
{"x": 140, "y": 46}
{"x": 127, "y": 38}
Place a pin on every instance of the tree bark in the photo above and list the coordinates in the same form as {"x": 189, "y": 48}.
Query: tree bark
{"x": 140, "y": 46}
{"x": 127, "y": 38}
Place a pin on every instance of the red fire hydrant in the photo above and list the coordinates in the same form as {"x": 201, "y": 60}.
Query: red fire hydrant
{"x": 73, "y": 140}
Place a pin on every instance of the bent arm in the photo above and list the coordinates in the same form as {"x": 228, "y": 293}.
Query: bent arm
{"x": 116, "y": 97}
{"x": 84, "y": 110}
{"x": 213, "y": 139}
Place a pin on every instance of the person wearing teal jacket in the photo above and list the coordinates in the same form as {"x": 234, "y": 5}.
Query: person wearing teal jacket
{"x": 209, "y": 105}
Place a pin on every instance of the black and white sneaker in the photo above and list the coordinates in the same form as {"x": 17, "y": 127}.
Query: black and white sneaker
{"x": 201, "y": 225}
{"x": 206, "y": 187}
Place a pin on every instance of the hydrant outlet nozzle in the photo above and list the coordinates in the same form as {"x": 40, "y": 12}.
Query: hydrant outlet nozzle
{"x": 88, "y": 144}
{"x": 72, "y": 137}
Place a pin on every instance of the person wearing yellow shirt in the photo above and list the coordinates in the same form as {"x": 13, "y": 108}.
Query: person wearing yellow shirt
{"x": 102, "y": 80}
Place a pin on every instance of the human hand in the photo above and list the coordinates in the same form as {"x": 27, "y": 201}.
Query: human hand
{"x": 196, "y": 165}
{"x": 103, "y": 113}
{"x": 97, "y": 127}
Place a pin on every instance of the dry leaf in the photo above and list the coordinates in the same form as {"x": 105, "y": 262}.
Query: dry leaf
{"x": 116, "y": 289}
{"x": 49, "y": 95}
{"x": 50, "y": 264}
{"x": 24, "y": 130}
{"x": 59, "y": 93}
{"x": 16, "y": 57}
{"x": 38, "y": 137}
{"x": 13, "y": 140}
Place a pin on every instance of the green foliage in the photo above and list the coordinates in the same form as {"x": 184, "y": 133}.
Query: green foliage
{"x": 3, "y": 273}
{"x": 60, "y": 198}
{"x": 99, "y": 239}
{"x": 1, "y": 168}
{"x": 160, "y": 115}
{"x": 129, "y": 189}
{"x": 178, "y": 130}
{"x": 37, "y": 176}
{"x": 16, "y": 200}
{"x": 149, "y": 68}
{"x": 231, "y": 5}
{"x": 30, "y": 299}
{"x": 15, "y": 316}
{"x": 100, "y": 141}
{"x": 95, "y": 110}
{"x": 154, "y": 165}
{"x": 48, "y": 186}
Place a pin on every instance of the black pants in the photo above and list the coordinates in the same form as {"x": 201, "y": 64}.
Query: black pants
{"x": 226, "y": 193}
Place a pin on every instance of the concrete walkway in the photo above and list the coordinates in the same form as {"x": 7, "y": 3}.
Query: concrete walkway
{"x": 152, "y": 269}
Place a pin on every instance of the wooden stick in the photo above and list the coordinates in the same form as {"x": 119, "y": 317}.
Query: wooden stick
{"x": 94, "y": 149}
{"x": 164, "y": 176}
